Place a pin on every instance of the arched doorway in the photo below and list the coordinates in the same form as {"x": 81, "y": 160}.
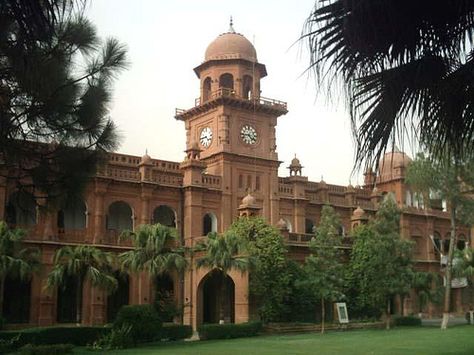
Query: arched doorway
{"x": 72, "y": 216}
{"x": 66, "y": 301}
{"x": 16, "y": 300}
{"x": 120, "y": 297}
{"x": 164, "y": 297}
{"x": 216, "y": 298}
{"x": 21, "y": 209}
{"x": 119, "y": 218}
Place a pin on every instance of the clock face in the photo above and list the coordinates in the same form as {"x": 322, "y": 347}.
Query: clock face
{"x": 248, "y": 134}
{"x": 206, "y": 137}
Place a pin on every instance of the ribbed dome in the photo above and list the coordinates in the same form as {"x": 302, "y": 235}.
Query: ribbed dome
{"x": 231, "y": 45}
{"x": 295, "y": 162}
{"x": 146, "y": 160}
{"x": 392, "y": 160}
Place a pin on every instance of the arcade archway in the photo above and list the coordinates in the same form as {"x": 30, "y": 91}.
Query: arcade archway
{"x": 216, "y": 298}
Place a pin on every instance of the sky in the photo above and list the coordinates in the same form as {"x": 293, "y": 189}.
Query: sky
{"x": 166, "y": 39}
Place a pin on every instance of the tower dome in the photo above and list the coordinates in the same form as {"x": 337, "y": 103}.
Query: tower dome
{"x": 392, "y": 161}
{"x": 231, "y": 45}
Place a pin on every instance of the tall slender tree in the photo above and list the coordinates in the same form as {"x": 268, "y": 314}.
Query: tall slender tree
{"x": 380, "y": 260}
{"x": 82, "y": 262}
{"x": 223, "y": 253}
{"x": 324, "y": 266}
{"x": 54, "y": 124}
{"x": 451, "y": 180}
{"x": 403, "y": 65}
{"x": 16, "y": 260}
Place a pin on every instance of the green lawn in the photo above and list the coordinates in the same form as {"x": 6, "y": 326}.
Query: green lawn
{"x": 426, "y": 340}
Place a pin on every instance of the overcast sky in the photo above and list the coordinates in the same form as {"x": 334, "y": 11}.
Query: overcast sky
{"x": 167, "y": 39}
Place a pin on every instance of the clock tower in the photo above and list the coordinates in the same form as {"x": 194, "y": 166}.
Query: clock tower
{"x": 234, "y": 126}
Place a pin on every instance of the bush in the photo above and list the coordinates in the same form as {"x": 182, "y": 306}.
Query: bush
{"x": 117, "y": 338}
{"x": 3, "y": 321}
{"x": 176, "y": 331}
{"x": 56, "y": 335}
{"x": 143, "y": 319}
{"x": 56, "y": 349}
{"x": 228, "y": 331}
{"x": 9, "y": 345}
{"x": 406, "y": 320}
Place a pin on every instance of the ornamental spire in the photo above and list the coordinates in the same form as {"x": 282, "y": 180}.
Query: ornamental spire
{"x": 231, "y": 26}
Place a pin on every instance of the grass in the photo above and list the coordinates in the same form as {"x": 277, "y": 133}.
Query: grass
{"x": 403, "y": 340}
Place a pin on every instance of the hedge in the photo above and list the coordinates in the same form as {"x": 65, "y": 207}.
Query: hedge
{"x": 406, "y": 320}
{"x": 228, "y": 331}
{"x": 78, "y": 336}
{"x": 175, "y": 331}
{"x": 56, "y": 349}
{"x": 143, "y": 319}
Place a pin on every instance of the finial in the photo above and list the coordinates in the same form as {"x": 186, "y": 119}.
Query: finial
{"x": 231, "y": 26}
{"x": 146, "y": 151}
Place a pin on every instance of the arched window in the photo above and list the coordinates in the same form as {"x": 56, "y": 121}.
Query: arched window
{"x": 21, "y": 209}
{"x": 164, "y": 215}
{"x": 206, "y": 89}
{"x": 247, "y": 87}
{"x": 226, "y": 81}
{"x": 209, "y": 223}
{"x": 120, "y": 216}
{"x": 341, "y": 230}
{"x": 437, "y": 243}
{"x": 309, "y": 226}
{"x": 73, "y": 215}
{"x": 408, "y": 200}
{"x": 461, "y": 244}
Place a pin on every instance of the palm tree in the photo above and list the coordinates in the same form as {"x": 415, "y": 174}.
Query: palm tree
{"x": 405, "y": 66}
{"x": 224, "y": 253}
{"x": 15, "y": 261}
{"x": 463, "y": 266}
{"x": 82, "y": 262}
{"x": 154, "y": 250}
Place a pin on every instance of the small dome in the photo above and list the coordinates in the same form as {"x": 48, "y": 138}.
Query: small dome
{"x": 249, "y": 200}
{"x": 358, "y": 213}
{"x": 392, "y": 160}
{"x": 295, "y": 162}
{"x": 231, "y": 45}
{"x": 146, "y": 159}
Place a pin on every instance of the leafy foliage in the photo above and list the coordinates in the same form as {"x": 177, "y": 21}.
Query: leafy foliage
{"x": 403, "y": 65}
{"x": 155, "y": 250}
{"x": 55, "y": 92}
{"x": 56, "y": 349}
{"x": 452, "y": 180}
{"x": 82, "y": 262}
{"x": 427, "y": 287}
{"x": 380, "y": 265}
{"x": 116, "y": 338}
{"x": 143, "y": 320}
{"x": 324, "y": 268}
{"x": 269, "y": 276}
{"x": 15, "y": 260}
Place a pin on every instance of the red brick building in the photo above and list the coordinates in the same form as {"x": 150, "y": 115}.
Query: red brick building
{"x": 230, "y": 169}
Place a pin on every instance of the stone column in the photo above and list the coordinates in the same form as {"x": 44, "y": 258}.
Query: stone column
{"x": 99, "y": 223}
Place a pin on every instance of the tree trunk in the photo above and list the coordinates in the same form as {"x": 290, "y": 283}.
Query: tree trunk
{"x": 323, "y": 315}
{"x": 388, "y": 315}
{"x": 2, "y": 291}
{"x": 79, "y": 301}
{"x": 449, "y": 269}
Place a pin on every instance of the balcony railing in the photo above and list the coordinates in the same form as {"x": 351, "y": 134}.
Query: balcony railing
{"x": 226, "y": 92}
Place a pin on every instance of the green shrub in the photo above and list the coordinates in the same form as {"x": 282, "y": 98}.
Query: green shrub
{"x": 143, "y": 319}
{"x": 117, "y": 338}
{"x": 9, "y": 345}
{"x": 56, "y": 335}
{"x": 176, "y": 331}
{"x": 3, "y": 321}
{"x": 56, "y": 349}
{"x": 406, "y": 320}
{"x": 228, "y": 331}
